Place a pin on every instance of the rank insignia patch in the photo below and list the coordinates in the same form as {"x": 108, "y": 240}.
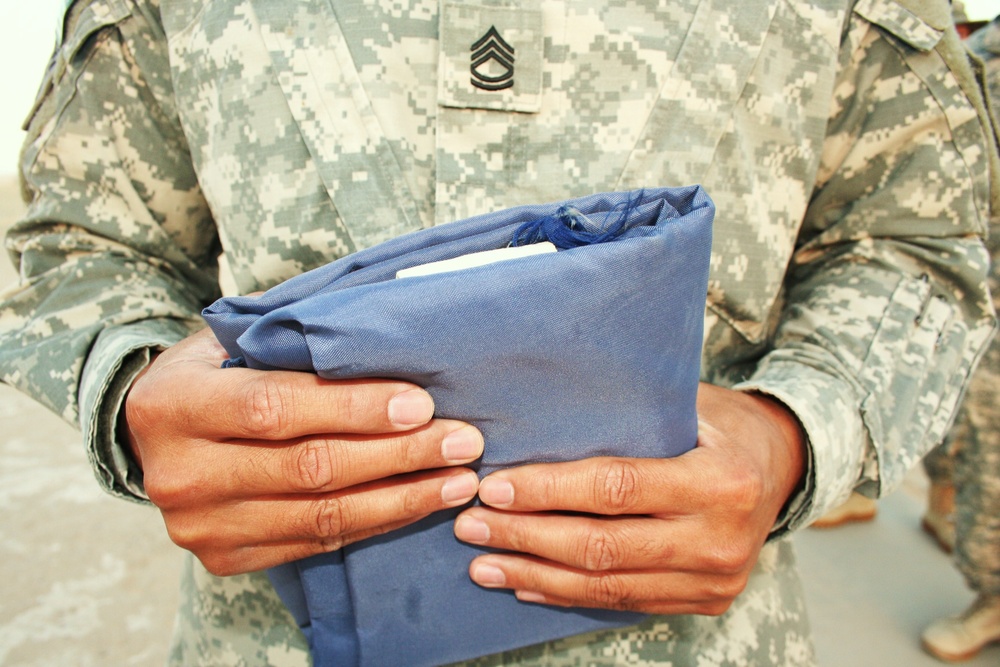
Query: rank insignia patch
{"x": 492, "y": 62}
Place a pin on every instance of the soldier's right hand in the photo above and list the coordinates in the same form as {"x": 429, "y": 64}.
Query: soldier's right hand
{"x": 255, "y": 468}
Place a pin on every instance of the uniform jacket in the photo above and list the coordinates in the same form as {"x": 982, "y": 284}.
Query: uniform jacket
{"x": 844, "y": 145}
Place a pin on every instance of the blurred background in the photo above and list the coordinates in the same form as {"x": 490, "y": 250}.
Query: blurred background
{"x": 27, "y": 34}
{"x": 89, "y": 581}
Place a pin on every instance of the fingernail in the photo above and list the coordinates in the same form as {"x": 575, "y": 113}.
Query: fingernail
{"x": 411, "y": 408}
{"x": 496, "y": 492}
{"x": 488, "y": 575}
{"x": 470, "y": 529}
{"x": 460, "y": 488}
{"x": 530, "y": 596}
{"x": 465, "y": 444}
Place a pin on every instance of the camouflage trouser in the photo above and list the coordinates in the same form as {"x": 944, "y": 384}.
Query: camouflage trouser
{"x": 970, "y": 459}
{"x": 234, "y": 622}
{"x": 239, "y": 622}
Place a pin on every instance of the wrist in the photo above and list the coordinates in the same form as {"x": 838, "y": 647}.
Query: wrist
{"x": 123, "y": 431}
{"x": 787, "y": 447}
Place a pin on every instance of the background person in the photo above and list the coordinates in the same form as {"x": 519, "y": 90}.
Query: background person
{"x": 969, "y": 462}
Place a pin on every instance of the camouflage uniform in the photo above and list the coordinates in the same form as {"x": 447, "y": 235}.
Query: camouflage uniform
{"x": 970, "y": 456}
{"x": 844, "y": 147}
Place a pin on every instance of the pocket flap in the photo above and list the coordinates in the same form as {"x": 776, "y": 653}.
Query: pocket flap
{"x": 921, "y": 27}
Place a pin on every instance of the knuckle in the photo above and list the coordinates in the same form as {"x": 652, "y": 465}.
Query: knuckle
{"x": 602, "y": 550}
{"x": 332, "y": 520}
{"x": 313, "y": 466}
{"x": 185, "y": 533}
{"x": 744, "y": 491}
{"x": 608, "y": 590}
{"x": 165, "y": 490}
{"x": 514, "y": 535}
{"x": 157, "y": 489}
{"x": 728, "y": 559}
{"x": 724, "y": 590}
{"x": 413, "y": 503}
{"x": 220, "y": 564}
{"x": 266, "y": 405}
{"x": 140, "y": 408}
{"x": 617, "y": 485}
{"x": 715, "y": 608}
{"x": 328, "y": 544}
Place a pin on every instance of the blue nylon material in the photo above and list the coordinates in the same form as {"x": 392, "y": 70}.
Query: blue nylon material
{"x": 589, "y": 351}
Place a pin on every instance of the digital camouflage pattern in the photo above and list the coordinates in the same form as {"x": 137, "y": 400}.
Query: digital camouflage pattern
{"x": 844, "y": 147}
{"x": 970, "y": 456}
{"x": 975, "y": 441}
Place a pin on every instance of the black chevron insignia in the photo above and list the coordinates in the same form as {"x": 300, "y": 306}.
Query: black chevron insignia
{"x": 490, "y": 55}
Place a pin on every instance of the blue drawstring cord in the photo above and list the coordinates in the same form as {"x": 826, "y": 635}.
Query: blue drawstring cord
{"x": 568, "y": 228}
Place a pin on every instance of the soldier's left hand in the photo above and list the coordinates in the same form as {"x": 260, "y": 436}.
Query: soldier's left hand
{"x": 663, "y": 536}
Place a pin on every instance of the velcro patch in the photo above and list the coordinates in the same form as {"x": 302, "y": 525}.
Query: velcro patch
{"x": 491, "y": 57}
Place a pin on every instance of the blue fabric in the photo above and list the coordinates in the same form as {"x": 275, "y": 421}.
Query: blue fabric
{"x": 593, "y": 350}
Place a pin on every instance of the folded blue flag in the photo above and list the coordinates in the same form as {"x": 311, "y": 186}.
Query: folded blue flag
{"x": 589, "y": 351}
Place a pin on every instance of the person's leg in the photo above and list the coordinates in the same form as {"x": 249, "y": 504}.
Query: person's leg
{"x": 977, "y": 509}
{"x": 939, "y": 520}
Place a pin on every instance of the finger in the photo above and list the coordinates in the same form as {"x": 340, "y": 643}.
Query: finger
{"x": 603, "y": 485}
{"x": 536, "y": 580}
{"x": 226, "y": 563}
{"x": 244, "y": 469}
{"x": 292, "y": 526}
{"x": 583, "y": 542}
{"x": 701, "y": 608}
{"x": 367, "y": 507}
{"x": 602, "y": 544}
{"x": 186, "y": 386}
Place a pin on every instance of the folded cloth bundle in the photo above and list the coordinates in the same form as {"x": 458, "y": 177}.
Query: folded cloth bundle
{"x": 589, "y": 351}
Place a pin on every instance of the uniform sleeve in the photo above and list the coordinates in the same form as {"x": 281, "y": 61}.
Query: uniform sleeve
{"x": 886, "y": 310}
{"x": 117, "y": 252}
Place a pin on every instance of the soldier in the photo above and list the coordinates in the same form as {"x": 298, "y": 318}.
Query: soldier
{"x": 970, "y": 460}
{"x": 849, "y": 156}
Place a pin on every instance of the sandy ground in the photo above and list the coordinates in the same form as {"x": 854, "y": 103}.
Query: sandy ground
{"x": 90, "y": 581}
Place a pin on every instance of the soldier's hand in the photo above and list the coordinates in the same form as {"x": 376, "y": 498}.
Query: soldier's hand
{"x": 664, "y": 536}
{"x": 255, "y": 468}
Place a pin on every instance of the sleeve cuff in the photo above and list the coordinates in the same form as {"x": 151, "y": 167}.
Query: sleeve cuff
{"x": 119, "y": 354}
{"x": 827, "y": 410}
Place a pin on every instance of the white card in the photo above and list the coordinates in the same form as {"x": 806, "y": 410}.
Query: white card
{"x": 476, "y": 259}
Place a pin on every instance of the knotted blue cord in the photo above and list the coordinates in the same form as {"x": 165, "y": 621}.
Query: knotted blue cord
{"x": 569, "y": 228}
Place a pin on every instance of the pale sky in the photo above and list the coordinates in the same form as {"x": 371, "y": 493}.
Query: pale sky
{"x": 27, "y": 35}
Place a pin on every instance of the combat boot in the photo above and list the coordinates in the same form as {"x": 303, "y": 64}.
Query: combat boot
{"x": 856, "y": 508}
{"x": 939, "y": 520}
{"x": 961, "y": 637}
